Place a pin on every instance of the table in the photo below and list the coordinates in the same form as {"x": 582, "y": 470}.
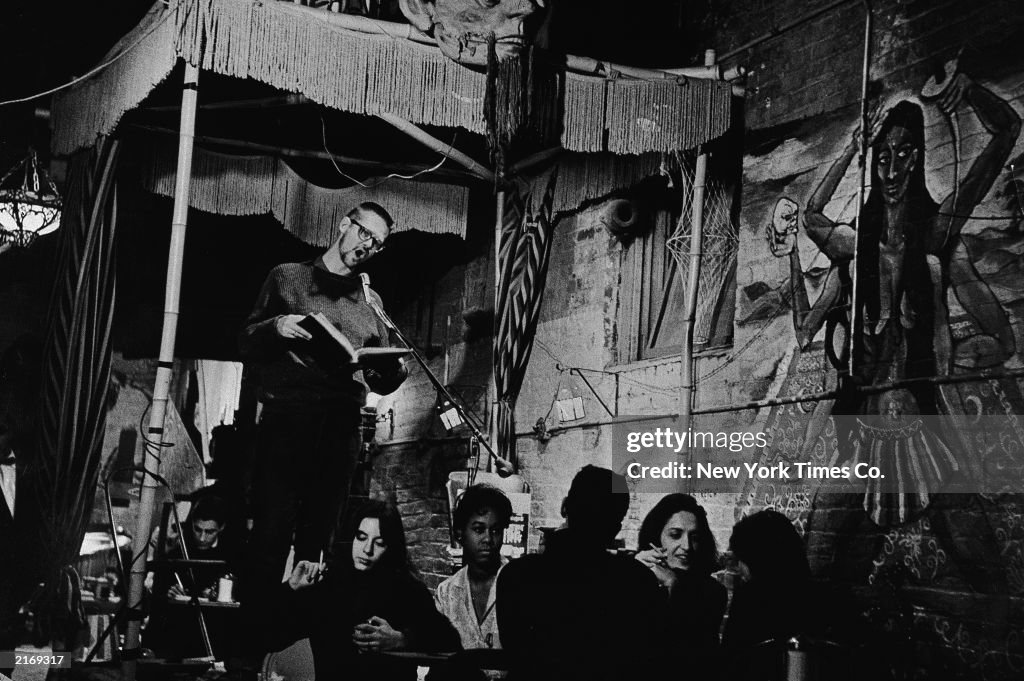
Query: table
{"x": 479, "y": 658}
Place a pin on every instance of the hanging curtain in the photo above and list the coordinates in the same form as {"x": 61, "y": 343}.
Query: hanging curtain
{"x": 523, "y": 254}
{"x": 75, "y": 381}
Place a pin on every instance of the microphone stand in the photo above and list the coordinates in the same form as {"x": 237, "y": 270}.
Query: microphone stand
{"x": 503, "y": 466}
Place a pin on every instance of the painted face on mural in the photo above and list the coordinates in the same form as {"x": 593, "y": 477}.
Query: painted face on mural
{"x": 781, "y": 233}
{"x": 784, "y": 218}
{"x": 461, "y": 27}
{"x": 895, "y": 159}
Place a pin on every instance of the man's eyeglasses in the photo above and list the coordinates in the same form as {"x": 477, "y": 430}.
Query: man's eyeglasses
{"x": 365, "y": 235}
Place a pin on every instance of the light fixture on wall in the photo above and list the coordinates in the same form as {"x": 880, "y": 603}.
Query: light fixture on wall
{"x": 32, "y": 209}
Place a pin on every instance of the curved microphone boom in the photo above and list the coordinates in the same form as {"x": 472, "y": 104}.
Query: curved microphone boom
{"x": 503, "y": 466}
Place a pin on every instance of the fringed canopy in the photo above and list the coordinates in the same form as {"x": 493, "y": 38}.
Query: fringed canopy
{"x": 300, "y": 50}
{"x": 259, "y": 185}
{"x": 588, "y": 177}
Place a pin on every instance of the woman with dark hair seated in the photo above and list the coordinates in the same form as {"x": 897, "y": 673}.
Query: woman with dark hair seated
{"x": 772, "y": 604}
{"x": 367, "y": 603}
{"x": 676, "y": 543}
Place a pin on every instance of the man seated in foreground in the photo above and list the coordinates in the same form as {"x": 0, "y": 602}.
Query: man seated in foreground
{"x": 578, "y": 611}
{"x": 174, "y": 631}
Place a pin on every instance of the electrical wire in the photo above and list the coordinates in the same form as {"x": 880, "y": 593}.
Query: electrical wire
{"x": 92, "y": 72}
{"x": 980, "y": 218}
{"x": 565, "y": 366}
{"x": 784, "y": 301}
{"x": 389, "y": 176}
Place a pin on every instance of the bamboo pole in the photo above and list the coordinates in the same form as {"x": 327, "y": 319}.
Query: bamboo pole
{"x": 437, "y": 145}
{"x": 715, "y": 72}
{"x": 599, "y": 67}
{"x": 776, "y": 31}
{"x": 161, "y": 389}
{"x": 499, "y": 221}
{"x": 258, "y": 103}
{"x": 535, "y": 159}
{"x": 975, "y": 377}
{"x": 862, "y": 170}
{"x": 686, "y": 373}
{"x": 584, "y": 65}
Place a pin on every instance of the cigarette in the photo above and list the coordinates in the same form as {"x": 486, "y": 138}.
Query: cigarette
{"x": 659, "y": 559}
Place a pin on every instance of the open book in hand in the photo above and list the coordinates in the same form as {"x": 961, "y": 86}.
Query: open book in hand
{"x": 330, "y": 347}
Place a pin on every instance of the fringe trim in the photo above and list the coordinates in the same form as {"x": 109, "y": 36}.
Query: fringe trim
{"x": 664, "y": 115}
{"x": 586, "y": 177}
{"x": 95, "y": 106}
{"x": 293, "y": 48}
{"x": 258, "y": 185}
{"x": 288, "y": 47}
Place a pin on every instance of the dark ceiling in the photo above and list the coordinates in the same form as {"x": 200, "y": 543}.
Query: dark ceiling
{"x": 228, "y": 257}
{"x": 52, "y": 43}
{"x": 45, "y": 45}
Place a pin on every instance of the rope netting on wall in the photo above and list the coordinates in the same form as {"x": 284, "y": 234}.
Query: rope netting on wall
{"x": 719, "y": 243}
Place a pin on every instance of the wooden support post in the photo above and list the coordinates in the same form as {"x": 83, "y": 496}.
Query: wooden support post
{"x": 686, "y": 373}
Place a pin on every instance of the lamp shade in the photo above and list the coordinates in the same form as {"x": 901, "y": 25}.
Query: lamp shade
{"x": 32, "y": 209}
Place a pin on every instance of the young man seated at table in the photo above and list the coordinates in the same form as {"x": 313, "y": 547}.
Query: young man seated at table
{"x": 467, "y": 598}
{"x": 577, "y": 611}
{"x": 173, "y": 631}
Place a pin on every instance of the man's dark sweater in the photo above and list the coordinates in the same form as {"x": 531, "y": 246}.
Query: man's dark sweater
{"x": 308, "y": 438}
{"x": 290, "y": 380}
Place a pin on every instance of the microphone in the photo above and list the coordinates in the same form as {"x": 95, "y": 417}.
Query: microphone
{"x": 366, "y": 286}
{"x": 505, "y": 467}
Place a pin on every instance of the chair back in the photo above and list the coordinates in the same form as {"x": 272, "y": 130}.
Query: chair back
{"x": 294, "y": 663}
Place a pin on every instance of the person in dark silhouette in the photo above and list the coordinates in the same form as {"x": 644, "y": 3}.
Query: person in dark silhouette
{"x": 19, "y": 374}
{"x": 577, "y": 611}
{"x": 773, "y": 602}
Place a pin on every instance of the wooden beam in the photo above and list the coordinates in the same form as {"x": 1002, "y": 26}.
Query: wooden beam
{"x": 377, "y": 166}
{"x": 261, "y": 103}
{"x": 538, "y": 158}
{"x": 586, "y": 65}
{"x": 431, "y": 142}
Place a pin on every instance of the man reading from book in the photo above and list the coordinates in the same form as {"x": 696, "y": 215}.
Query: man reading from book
{"x": 308, "y": 435}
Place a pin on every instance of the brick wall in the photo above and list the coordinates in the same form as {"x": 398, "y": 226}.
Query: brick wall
{"x": 412, "y": 475}
{"x": 952, "y": 565}
{"x": 801, "y": 109}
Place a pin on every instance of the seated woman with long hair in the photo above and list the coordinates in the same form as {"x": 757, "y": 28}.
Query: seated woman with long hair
{"x": 367, "y": 603}
{"x": 676, "y": 543}
{"x": 772, "y": 604}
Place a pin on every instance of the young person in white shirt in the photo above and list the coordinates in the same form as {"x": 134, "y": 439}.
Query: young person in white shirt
{"x": 467, "y": 598}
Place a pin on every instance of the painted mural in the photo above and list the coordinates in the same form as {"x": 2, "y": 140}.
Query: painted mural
{"x": 938, "y": 293}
